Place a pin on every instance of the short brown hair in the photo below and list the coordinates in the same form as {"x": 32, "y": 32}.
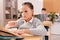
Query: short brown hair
{"x": 43, "y": 9}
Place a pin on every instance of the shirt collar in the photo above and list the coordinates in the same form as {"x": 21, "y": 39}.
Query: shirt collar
{"x": 30, "y": 20}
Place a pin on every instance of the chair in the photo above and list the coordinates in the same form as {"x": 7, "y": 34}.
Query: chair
{"x": 49, "y": 24}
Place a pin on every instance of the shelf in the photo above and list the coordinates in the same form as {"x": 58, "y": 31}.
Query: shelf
{"x": 11, "y": 12}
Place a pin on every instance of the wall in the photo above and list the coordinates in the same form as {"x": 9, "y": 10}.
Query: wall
{"x": 1, "y": 13}
{"x": 38, "y": 5}
{"x": 52, "y": 5}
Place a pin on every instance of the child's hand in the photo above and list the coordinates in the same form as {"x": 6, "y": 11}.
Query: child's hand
{"x": 10, "y": 24}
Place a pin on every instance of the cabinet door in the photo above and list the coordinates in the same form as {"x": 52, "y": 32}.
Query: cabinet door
{"x": 10, "y": 10}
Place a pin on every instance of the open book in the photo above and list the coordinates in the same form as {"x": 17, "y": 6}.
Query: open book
{"x": 5, "y": 32}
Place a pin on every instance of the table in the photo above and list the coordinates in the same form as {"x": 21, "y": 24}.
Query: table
{"x": 55, "y": 29}
{"x": 33, "y": 38}
{"x": 13, "y": 36}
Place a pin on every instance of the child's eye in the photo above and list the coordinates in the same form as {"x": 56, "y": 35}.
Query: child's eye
{"x": 25, "y": 11}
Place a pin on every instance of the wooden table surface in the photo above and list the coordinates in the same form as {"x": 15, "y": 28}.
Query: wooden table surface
{"x": 26, "y": 36}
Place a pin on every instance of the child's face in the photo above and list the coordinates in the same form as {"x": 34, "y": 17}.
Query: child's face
{"x": 43, "y": 12}
{"x": 27, "y": 12}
